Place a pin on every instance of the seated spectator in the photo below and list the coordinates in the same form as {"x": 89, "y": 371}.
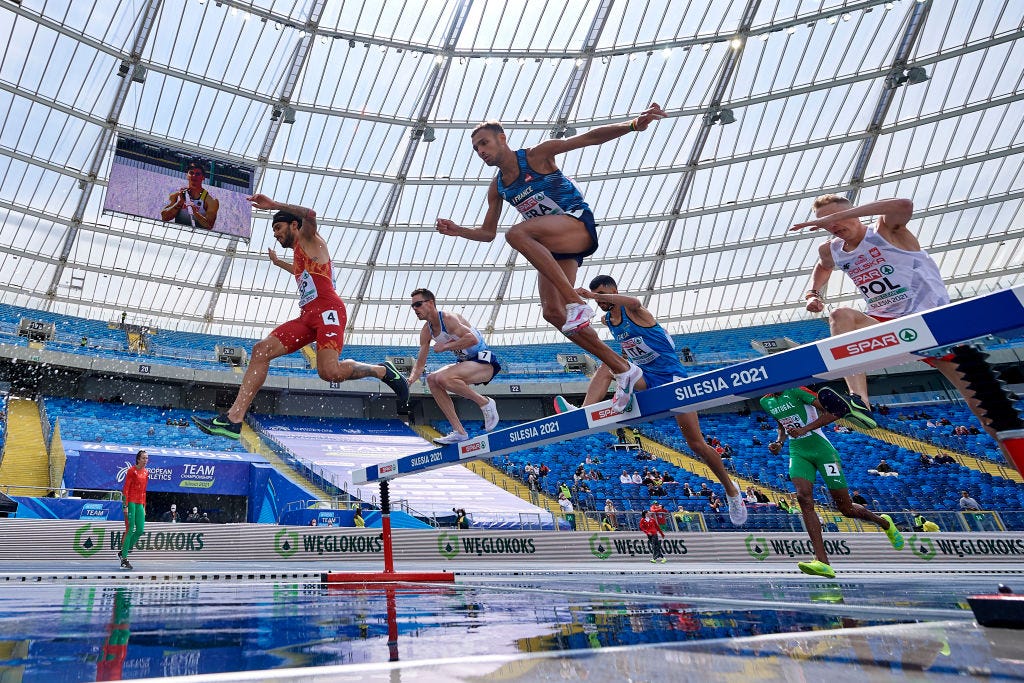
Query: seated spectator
{"x": 944, "y": 459}
{"x": 755, "y": 442}
{"x": 687, "y": 491}
{"x": 705, "y": 491}
{"x": 715, "y": 503}
{"x": 973, "y": 430}
{"x": 606, "y": 524}
{"x": 884, "y": 469}
{"x": 312, "y": 522}
{"x": 564, "y": 490}
{"x": 592, "y": 475}
{"x": 636, "y": 478}
{"x": 667, "y": 479}
{"x": 944, "y": 421}
{"x": 967, "y": 503}
{"x": 925, "y": 460}
{"x": 883, "y": 409}
{"x": 930, "y": 425}
{"x": 656, "y": 488}
{"x": 859, "y": 499}
{"x": 960, "y": 430}
{"x": 784, "y": 505}
{"x": 624, "y": 478}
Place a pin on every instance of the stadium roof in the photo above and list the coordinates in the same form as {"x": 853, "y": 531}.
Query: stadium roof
{"x": 880, "y": 99}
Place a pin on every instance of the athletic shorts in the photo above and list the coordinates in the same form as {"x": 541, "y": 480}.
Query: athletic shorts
{"x": 653, "y": 378}
{"x": 928, "y": 361}
{"x": 495, "y": 366}
{"x": 587, "y": 218}
{"x": 323, "y": 324}
{"x": 806, "y": 463}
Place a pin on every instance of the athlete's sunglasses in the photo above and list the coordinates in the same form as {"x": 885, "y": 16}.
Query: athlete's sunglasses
{"x": 417, "y": 304}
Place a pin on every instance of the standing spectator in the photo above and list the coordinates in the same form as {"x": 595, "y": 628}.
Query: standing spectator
{"x": 659, "y": 514}
{"x": 609, "y": 513}
{"x": 358, "y": 519}
{"x": 205, "y": 519}
{"x": 563, "y": 490}
{"x": 567, "y": 510}
{"x": 967, "y": 503}
{"x": 171, "y": 515}
{"x": 135, "y": 482}
{"x": 193, "y": 517}
{"x": 461, "y": 519}
{"x": 654, "y": 535}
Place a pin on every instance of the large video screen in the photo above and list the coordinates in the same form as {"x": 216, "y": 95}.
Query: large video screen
{"x": 180, "y": 188}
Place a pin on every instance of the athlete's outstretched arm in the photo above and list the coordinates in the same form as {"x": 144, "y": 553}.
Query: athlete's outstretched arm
{"x": 599, "y": 135}
{"x": 630, "y": 303}
{"x": 824, "y": 418}
{"x": 308, "y": 216}
{"x": 488, "y": 231}
{"x": 819, "y": 278}
{"x": 894, "y": 212}
{"x": 421, "y": 358}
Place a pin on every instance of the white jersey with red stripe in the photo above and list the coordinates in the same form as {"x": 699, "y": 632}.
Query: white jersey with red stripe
{"x": 894, "y": 282}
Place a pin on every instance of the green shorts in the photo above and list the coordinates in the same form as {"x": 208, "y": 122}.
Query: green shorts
{"x": 806, "y": 462}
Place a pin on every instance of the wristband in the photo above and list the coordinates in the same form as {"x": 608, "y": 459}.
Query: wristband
{"x": 813, "y": 294}
{"x": 632, "y": 125}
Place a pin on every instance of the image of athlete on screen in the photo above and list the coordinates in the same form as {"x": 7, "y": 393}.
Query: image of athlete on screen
{"x": 192, "y": 205}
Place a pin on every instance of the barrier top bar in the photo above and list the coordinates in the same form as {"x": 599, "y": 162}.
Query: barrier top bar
{"x": 879, "y": 346}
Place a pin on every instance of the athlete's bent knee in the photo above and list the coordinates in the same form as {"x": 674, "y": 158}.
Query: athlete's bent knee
{"x": 554, "y": 315}
{"x": 845, "y": 319}
{"x": 435, "y": 380}
{"x": 805, "y": 499}
{"x": 261, "y": 351}
{"x": 846, "y": 509}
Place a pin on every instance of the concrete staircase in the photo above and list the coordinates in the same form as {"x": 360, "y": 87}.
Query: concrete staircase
{"x": 255, "y": 444}
{"x": 484, "y": 469}
{"x": 25, "y": 462}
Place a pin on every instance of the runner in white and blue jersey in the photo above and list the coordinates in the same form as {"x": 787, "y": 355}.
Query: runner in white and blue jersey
{"x": 475, "y": 363}
{"x": 647, "y": 344}
{"x": 557, "y": 231}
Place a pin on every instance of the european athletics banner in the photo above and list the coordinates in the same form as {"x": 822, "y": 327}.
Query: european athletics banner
{"x": 104, "y": 466}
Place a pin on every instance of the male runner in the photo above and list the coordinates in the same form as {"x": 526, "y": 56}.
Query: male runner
{"x": 800, "y": 415}
{"x": 893, "y": 273}
{"x": 647, "y": 344}
{"x": 192, "y": 205}
{"x": 474, "y": 363}
{"x": 322, "y": 319}
{"x": 558, "y": 229}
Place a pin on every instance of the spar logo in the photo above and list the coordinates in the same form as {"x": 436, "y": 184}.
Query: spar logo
{"x": 477, "y": 446}
{"x": 881, "y": 341}
{"x": 600, "y": 546}
{"x": 448, "y": 545}
{"x": 286, "y": 543}
{"x": 88, "y": 540}
{"x": 386, "y": 468}
{"x": 922, "y": 546}
{"x": 603, "y": 413}
{"x": 757, "y": 547}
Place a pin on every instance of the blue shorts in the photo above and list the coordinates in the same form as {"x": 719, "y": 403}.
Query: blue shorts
{"x": 656, "y": 377}
{"x": 587, "y": 218}
{"x": 495, "y": 366}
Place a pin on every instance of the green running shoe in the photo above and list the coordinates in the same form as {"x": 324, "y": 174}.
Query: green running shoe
{"x": 219, "y": 426}
{"x": 396, "y": 382}
{"x": 851, "y": 408}
{"x": 895, "y": 537}
{"x": 817, "y": 568}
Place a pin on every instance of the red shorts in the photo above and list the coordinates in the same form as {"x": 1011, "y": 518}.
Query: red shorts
{"x": 930, "y": 361}
{"x": 323, "y": 323}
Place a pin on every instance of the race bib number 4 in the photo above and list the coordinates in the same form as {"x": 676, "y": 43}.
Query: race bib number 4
{"x": 330, "y": 317}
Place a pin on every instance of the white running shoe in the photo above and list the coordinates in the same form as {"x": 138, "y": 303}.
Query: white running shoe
{"x": 563, "y": 406}
{"x": 624, "y": 387}
{"x": 737, "y": 510}
{"x": 452, "y": 437}
{"x": 577, "y": 317}
{"x": 490, "y": 411}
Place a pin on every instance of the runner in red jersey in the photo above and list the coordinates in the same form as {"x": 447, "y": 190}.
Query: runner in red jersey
{"x": 321, "y": 319}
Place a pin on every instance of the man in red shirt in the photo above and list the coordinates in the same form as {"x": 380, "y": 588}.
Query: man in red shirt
{"x": 322, "y": 319}
{"x": 135, "y": 481}
{"x": 654, "y": 535}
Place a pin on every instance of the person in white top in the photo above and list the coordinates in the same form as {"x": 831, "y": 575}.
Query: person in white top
{"x": 893, "y": 273}
{"x": 475, "y": 363}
